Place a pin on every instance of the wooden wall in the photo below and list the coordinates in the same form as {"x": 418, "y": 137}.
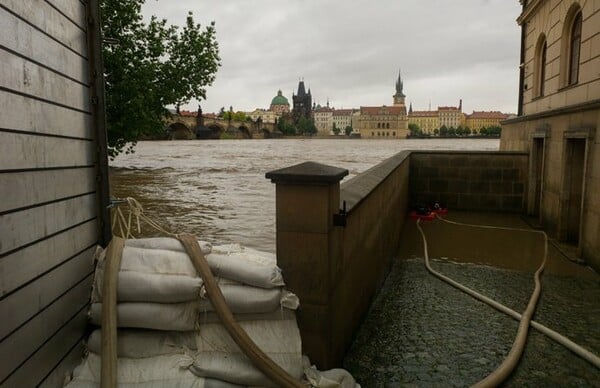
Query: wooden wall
{"x": 50, "y": 199}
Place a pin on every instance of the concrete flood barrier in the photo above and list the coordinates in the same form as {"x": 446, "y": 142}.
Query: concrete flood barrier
{"x": 336, "y": 260}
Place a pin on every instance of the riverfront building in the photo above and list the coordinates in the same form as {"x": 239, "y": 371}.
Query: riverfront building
{"x": 385, "y": 121}
{"x": 478, "y": 120}
{"x": 323, "y": 117}
{"x": 558, "y": 119}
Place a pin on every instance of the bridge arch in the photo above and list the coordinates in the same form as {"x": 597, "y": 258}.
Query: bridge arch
{"x": 245, "y": 131}
{"x": 179, "y": 131}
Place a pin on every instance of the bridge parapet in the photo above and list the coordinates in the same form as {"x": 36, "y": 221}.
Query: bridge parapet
{"x": 219, "y": 126}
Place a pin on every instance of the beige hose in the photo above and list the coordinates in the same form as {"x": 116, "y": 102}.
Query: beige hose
{"x": 254, "y": 353}
{"x": 512, "y": 359}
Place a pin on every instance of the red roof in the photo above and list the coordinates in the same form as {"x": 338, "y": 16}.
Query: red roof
{"x": 423, "y": 113}
{"x": 342, "y": 112}
{"x": 487, "y": 115}
{"x": 447, "y": 108}
{"x": 382, "y": 110}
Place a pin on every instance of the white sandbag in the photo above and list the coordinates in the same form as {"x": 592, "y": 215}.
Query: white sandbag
{"x": 168, "y": 243}
{"x": 153, "y": 372}
{"x": 241, "y": 267}
{"x": 157, "y": 316}
{"x": 183, "y": 316}
{"x": 333, "y": 378}
{"x": 148, "y": 287}
{"x": 219, "y": 357}
{"x": 137, "y": 343}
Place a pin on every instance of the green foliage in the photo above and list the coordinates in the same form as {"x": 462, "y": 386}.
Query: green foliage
{"x": 336, "y": 130}
{"x": 491, "y": 131}
{"x": 348, "y": 130}
{"x": 235, "y": 116}
{"x": 306, "y": 126}
{"x": 285, "y": 126}
{"x": 414, "y": 129}
{"x": 151, "y": 66}
{"x": 436, "y": 132}
{"x": 443, "y": 131}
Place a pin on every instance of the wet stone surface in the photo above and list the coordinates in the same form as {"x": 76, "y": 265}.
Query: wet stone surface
{"x": 422, "y": 332}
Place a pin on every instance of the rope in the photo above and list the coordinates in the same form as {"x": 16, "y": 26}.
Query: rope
{"x": 136, "y": 211}
{"x": 575, "y": 348}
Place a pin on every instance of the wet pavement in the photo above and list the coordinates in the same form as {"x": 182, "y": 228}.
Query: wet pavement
{"x": 422, "y": 332}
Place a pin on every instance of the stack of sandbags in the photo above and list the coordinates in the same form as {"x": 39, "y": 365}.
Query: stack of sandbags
{"x": 169, "y": 334}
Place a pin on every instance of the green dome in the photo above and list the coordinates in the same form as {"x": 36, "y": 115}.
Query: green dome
{"x": 279, "y": 99}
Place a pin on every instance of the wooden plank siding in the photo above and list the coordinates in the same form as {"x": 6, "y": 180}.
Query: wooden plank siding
{"x": 52, "y": 184}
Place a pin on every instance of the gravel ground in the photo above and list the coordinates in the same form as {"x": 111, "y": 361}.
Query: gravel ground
{"x": 422, "y": 332}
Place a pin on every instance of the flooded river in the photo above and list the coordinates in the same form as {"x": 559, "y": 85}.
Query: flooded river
{"x": 217, "y": 188}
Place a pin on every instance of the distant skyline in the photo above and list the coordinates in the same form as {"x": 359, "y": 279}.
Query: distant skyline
{"x": 351, "y": 52}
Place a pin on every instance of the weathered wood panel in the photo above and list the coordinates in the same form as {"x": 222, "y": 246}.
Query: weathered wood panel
{"x": 40, "y": 14}
{"x": 31, "y": 115}
{"x": 23, "y": 151}
{"x": 39, "y": 47}
{"x": 20, "y": 267}
{"x": 56, "y": 378}
{"x": 29, "y": 300}
{"x": 26, "y": 77}
{"x": 27, "y": 226}
{"x": 73, "y": 9}
{"x": 43, "y": 361}
{"x": 22, "y": 189}
{"x": 51, "y": 148}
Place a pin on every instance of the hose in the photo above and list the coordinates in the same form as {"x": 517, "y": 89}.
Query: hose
{"x": 511, "y": 361}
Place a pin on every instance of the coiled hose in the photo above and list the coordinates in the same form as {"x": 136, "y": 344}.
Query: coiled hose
{"x": 512, "y": 359}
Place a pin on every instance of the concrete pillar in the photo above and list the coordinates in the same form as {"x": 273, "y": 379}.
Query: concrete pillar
{"x": 308, "y": 248}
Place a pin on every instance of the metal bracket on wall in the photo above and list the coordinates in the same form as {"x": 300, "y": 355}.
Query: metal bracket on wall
{"x": 340, "y": 218}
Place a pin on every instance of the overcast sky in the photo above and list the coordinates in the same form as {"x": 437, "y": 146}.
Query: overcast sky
{"x": 351, "y": 51}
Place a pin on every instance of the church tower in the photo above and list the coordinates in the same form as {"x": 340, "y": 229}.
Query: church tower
{"x": 302, "y": 103}
{"x": 399, "y": 96}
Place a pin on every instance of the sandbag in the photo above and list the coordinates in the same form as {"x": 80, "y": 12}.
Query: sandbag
{"x": 183, "y": 316}
{"x": 139, "y": 343}
{"x": 168, "y": 243}
{"x": 219, "y": 357}
{"x": 153, "y": 372}
{"x": 239, "y": 266}
{"x": 148, "y": 287}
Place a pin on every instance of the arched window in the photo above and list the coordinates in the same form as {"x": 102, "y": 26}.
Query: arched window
{"x": 387, "y": 125}
{"x": 539, "y": 72}
{"x": 570, "y": 47}
{"x": 575, "y": 48}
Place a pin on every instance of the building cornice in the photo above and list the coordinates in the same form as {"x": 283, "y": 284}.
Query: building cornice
{"x": 528, "y": 11}
{"x": 589, "y": 105}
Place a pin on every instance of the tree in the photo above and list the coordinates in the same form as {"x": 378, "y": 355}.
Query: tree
{"x": 336, "y": 130}
{"x": 443, "y": 130}
{"x": 306, "y": 126}
{"x": 414, "y": 129}
{"x": 348, "y": 130}
{"x": 150, "y": 67}
{"x": 436, "y": 131}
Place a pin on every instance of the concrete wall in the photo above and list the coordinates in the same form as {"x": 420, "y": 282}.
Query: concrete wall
{"x": 480, "y": 181}
{"x": 336, "y": 270}
{"x": 52, "y": 154}
{"x": 336, "y": 262}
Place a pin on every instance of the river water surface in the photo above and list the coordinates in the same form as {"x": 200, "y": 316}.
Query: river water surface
{"x": 217, "y": 188}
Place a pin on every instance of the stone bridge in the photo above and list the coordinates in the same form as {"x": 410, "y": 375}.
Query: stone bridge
{"x": 192, "y": 127}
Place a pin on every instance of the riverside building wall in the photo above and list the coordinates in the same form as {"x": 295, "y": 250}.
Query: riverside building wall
{"x": 558, "y": 120}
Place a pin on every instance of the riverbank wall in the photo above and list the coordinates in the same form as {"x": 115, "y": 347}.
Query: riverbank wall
{"x": 336, "y": 242}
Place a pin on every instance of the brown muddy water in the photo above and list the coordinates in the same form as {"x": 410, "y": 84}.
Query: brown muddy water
{"x": 217, "y": 188}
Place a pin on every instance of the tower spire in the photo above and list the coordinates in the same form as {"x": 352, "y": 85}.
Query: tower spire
{"x": 399, "y": 96}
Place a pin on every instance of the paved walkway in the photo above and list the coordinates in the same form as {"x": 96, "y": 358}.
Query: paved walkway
{"x": 422, "y": 332}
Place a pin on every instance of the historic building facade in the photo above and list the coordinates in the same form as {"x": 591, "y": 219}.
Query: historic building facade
{"x": 279, "y": 104}
{"x": 267, "y": 116}
{"x": 342, "y": 118}
{"x": 477, "y": 120}
{"x": 323, "y": 118}
{"x": 302, "y": 103}
{"x": 558, "y": 119}
{"x": 426, "y": 120}
{"x": 388, "y": 122}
